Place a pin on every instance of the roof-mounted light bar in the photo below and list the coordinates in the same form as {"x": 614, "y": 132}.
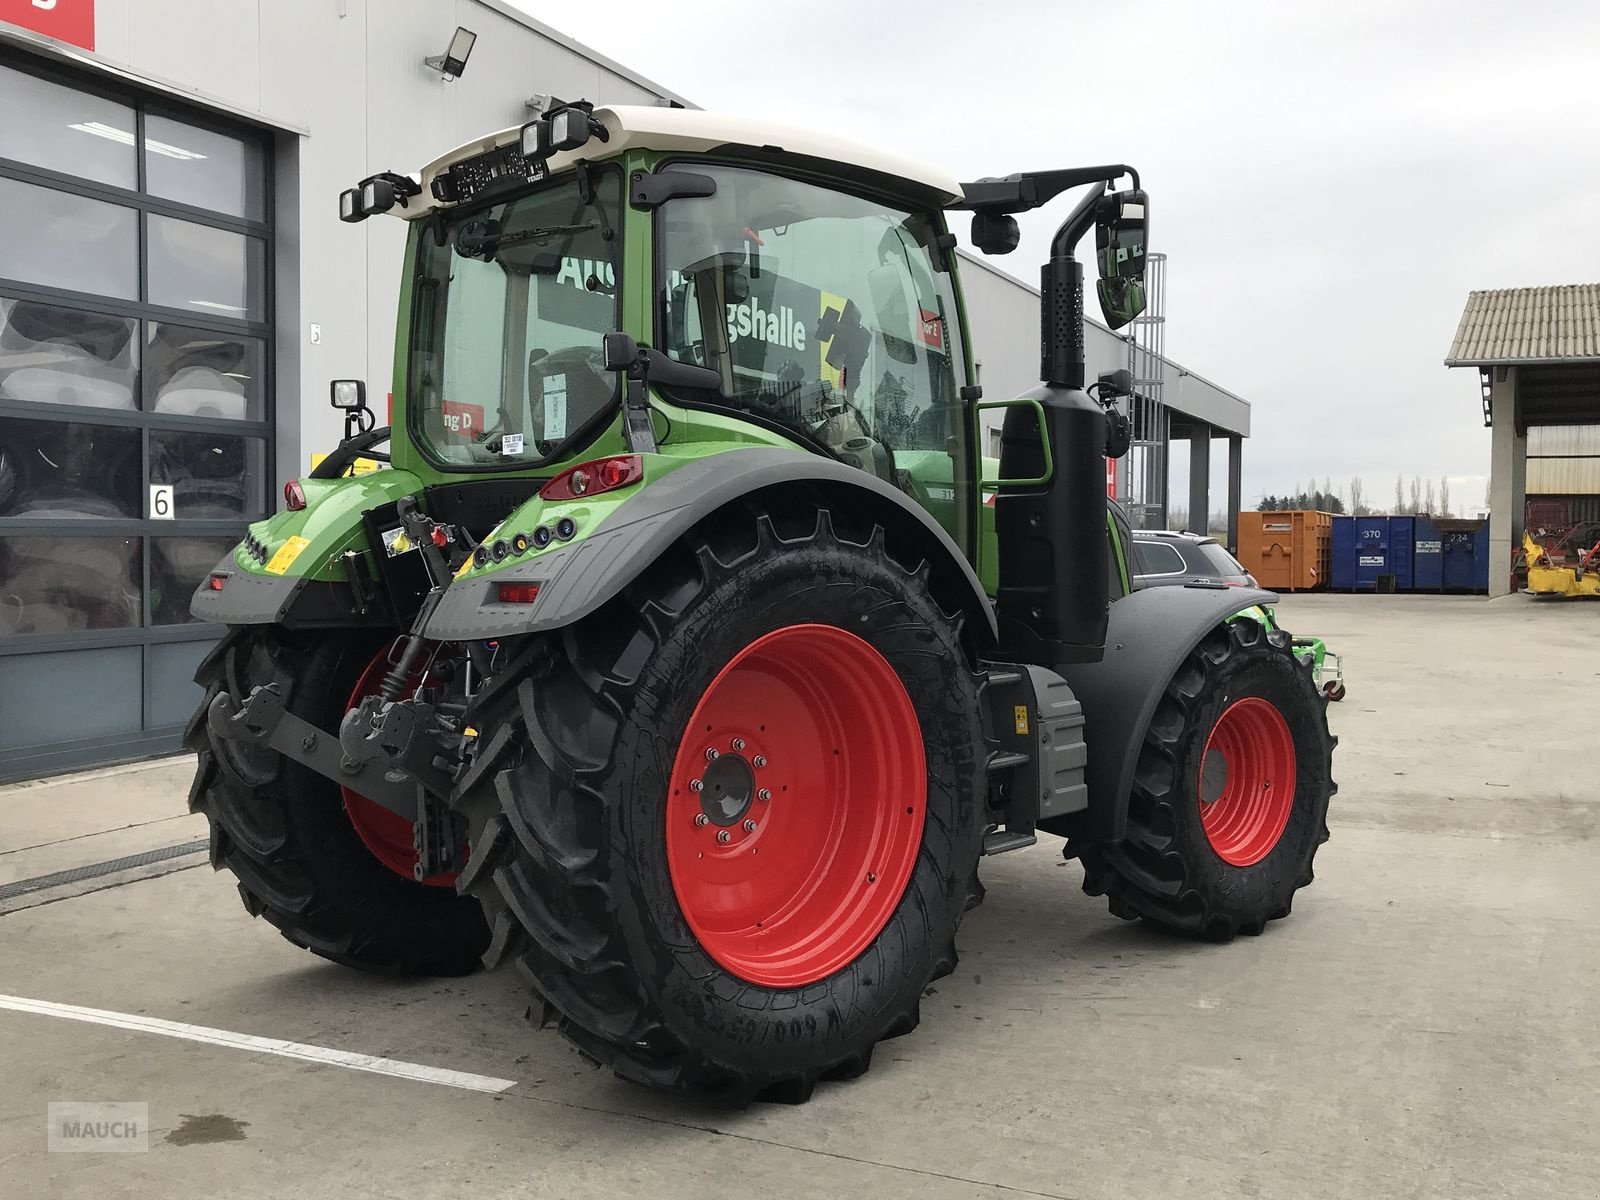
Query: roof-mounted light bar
{"x": 376, "y": 194}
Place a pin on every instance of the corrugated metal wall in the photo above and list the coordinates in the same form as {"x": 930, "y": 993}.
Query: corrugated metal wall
{"x": 1564, "y": 460}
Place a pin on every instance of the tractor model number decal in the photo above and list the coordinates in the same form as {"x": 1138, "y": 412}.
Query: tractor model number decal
{"x": 287, "y": 553}
{"x": 1020, "y": 712}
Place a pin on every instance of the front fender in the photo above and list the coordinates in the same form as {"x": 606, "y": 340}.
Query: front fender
{"x": 1149, "y": 635}
{"x": 576, "y": 579}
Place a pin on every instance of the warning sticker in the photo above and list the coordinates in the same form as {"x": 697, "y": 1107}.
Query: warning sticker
{"x": 510, "y": 444}
{"x": 1020, "y": 715}
{"x": 555, "y": 407}
{"x": 287, "y": 553}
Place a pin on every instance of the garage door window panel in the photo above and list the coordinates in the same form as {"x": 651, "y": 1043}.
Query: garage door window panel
{"x": 209, "y": 270}
{"x": 204, "y": 168}
{"x": 52, "y": 585}
{"x": 61, "y": 128}
{"x": 213, "y": 476}
{"x": 61, "y": 240}
{"x": 201, "y": 373}
{"x": 55, "y": 355}
{"x": 65, "y": 470}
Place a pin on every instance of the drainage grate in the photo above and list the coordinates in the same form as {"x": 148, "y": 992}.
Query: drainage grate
{"x": 39, "y": 882}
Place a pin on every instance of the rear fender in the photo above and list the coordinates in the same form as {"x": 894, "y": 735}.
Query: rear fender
{"x": 576, "y": 579}
{"x": 289, "y": 568}
{"x": 1150, "y": 633}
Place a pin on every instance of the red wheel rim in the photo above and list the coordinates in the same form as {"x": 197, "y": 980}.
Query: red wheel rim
{"x": 386, "y": 834}
{"x": 1247, "y": 781}
{"x": 796, "y": 805}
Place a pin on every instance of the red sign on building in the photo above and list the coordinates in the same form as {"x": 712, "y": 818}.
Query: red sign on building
{"x": 65, "y": 20}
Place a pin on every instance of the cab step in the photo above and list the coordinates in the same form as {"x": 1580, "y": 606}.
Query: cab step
{"x": 998, "y": 841}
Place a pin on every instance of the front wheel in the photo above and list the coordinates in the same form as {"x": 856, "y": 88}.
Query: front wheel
{"x": 726, "y": 824}
{"x": 1230, "y": 795}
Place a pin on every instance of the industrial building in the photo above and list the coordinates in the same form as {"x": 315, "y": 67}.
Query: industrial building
{"x": 176, "y": 290}
{"x": 1537, "y": 352}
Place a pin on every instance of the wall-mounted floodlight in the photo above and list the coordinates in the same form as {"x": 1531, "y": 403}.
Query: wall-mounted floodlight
{"x": 453, "y": 62}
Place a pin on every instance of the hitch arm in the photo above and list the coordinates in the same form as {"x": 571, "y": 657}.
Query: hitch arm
{"x": 263, "y": 720}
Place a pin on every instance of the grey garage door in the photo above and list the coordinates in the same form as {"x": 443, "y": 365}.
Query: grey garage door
{"x": 135, "y": 405}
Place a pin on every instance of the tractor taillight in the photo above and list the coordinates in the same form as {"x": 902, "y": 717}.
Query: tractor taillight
{"x": 294, "y": 496}
{"x": 518, "y": 593}
{"x": 593, "y": 478}
{"x": 217, "y": 582}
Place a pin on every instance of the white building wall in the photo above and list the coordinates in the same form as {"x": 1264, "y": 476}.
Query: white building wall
{"x": 343, "y": 84}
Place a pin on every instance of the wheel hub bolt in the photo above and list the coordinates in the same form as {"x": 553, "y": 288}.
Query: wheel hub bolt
{"x": 764, "y": 794}
{"x": 701, "y": 820}
{"x": 738, "y": 743}
{"x": 723, "y": 836}
{"x": 749, "y": 825}
{"x": 760, "y": 760}
{"x": 697, "y": 785}
{"x": 711, "y": 753}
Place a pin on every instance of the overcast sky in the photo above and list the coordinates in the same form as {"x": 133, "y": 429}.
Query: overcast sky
{"x": 1328, "y": 180}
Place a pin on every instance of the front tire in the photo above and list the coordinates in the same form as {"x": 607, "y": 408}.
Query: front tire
{"x": 1230, "y": 794}
{"x": 618, "y": 856}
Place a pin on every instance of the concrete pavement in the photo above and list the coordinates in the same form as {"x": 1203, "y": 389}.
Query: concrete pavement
{"x": 1424, "y": 1025}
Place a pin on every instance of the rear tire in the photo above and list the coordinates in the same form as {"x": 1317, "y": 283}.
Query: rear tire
{"x": 1215, "y": 844}
{"x": 283, "y": 831}
{"x": 589, "y": 853}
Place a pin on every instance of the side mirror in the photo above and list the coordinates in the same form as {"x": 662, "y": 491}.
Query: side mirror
{"x": 1121, "y": 223}
{"x": 995, "y": 233}
{"x": 618, "y": 351}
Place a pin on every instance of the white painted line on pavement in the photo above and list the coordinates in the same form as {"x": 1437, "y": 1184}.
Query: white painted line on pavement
{"x": 260, "y": 1045}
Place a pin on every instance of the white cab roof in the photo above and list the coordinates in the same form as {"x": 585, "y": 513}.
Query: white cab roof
{"x": 652, "y": 128}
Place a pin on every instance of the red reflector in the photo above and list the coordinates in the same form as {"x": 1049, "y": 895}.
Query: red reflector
{"x": 294, "y": 496}
{"x": 440, "y": 538}
{"x": 518, "y": 593}
{"x": 217, "y": 582}
{"x": 592, "y": 478}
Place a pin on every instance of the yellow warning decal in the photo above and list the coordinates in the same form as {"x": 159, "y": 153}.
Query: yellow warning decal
{"x": 1021, "y": 714}
{"x": 287, "y": 553}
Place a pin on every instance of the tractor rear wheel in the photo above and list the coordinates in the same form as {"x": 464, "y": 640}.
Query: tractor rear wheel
{"x": 329, "y": 868}
{"x": 726, "y": 824}
{"x": 1230, "y": 795}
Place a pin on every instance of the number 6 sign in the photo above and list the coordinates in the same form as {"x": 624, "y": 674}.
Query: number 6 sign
{"x": 161, "y": 507}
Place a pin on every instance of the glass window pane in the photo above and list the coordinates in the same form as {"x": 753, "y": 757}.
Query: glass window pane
{"x": 209, "y": 270}
{"x": 66, "y": 470}
{"x": 205, "y": 169}
{"x": 66, "y": 241}
{"x": 196, "y": 373}
{"x": 59, "y": 585}
{"x": 51, "y": 355}
{"x": 213, "y": 477}
{"x": 63, "y": 129}
{"x": 177, "y": 565}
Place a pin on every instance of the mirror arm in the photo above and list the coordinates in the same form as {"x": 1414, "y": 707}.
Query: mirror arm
{"x": 1061, "y": 299}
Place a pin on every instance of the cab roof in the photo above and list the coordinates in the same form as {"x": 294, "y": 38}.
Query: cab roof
{"x": 648, "y": 127}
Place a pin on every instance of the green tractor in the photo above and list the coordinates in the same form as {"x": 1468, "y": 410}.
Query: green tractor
{"x": 675, "y": 655}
